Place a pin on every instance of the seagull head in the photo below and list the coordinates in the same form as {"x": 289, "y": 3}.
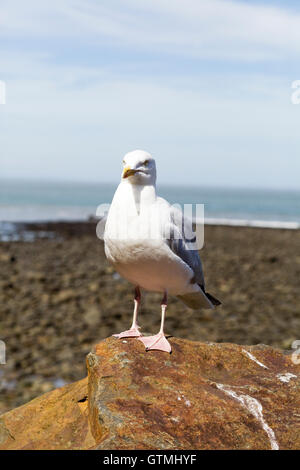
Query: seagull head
{"x": 139, "y": 168}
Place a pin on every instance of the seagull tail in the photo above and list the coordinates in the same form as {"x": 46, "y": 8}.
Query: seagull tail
{"x": 200, "y": 299}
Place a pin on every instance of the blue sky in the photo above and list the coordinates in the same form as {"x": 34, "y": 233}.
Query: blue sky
{"x": 204, "y": 85}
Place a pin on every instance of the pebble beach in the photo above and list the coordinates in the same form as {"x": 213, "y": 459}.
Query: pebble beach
{"x": 59, "y": 296}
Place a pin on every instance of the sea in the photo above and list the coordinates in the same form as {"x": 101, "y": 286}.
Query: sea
{"x": 33, "y": 201}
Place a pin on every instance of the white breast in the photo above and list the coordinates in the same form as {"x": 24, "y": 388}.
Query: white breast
{"x": 135, "y": 246}
{"x": 151, "y": 265}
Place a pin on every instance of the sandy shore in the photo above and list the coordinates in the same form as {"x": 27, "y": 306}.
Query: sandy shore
{"x": 58, "y": 297}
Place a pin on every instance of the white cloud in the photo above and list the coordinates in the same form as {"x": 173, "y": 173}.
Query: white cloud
{"x": 76, "y": 121}
{"x": 206, "y": 28}
{"x": 54, "y": 130}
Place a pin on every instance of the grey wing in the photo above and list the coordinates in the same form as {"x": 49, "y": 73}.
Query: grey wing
{"x": 180, "y": 238}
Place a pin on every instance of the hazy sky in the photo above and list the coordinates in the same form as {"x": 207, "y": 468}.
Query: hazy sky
{"x": 204, "y": 85}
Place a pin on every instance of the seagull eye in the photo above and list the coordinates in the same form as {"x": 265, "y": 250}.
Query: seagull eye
{"x": 146, "y": 162}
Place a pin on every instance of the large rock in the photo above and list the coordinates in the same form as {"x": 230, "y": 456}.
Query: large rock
{"x": 55, "y": 420}
{"x": 202, "y": 396}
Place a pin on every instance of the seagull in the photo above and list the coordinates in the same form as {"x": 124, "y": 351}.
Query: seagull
{"x": 145, "y": 241}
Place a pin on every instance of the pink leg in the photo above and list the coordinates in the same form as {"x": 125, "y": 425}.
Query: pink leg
{"x": 158, "y": 341}
{"x": 134, "y": 330}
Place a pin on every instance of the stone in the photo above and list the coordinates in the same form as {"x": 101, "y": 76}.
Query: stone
{"x": 54, "y": 421}
{"x": 202, "y": 396}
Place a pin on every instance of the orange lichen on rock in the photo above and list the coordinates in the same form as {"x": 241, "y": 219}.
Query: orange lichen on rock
{"x": 55, "y": 420}
{"x": 202, "y": 396}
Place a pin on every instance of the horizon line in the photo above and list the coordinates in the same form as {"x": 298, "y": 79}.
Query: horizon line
{"x": 159, "y": 184}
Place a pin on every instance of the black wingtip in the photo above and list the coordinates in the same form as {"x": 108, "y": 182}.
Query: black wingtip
{"x": 213, "y": 300}
{"x": 210, "y": 297}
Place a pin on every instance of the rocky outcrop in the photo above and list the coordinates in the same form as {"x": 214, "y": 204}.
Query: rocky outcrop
{"x": 202, "y": 396}
{"x": 55, "y": 420}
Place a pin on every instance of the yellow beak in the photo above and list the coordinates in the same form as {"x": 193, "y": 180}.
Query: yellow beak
{"x": 128, "y": 172}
